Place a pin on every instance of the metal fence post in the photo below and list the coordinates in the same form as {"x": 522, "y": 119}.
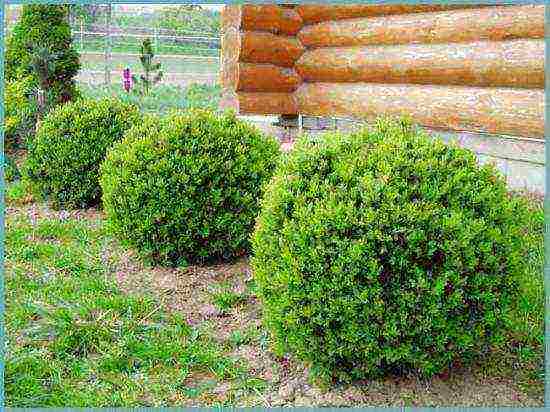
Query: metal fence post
{"x": 81, "y": 35}
{"x": 108, "y": 44}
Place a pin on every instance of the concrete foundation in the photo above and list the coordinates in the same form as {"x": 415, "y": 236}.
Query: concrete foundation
{"x": 520, "y": 160}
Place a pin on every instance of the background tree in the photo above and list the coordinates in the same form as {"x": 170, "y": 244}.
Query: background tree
{"x": 89, "y": 13}
{"x": 44, "y": 28}
{"x": 189, "y": 17}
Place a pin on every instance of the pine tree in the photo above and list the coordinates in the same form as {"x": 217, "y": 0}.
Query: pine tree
{"x": 148, "y": 78}
{"x": 44, "y": 29}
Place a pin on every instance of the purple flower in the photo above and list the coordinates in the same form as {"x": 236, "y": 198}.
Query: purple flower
{"x": 127, "y": 79}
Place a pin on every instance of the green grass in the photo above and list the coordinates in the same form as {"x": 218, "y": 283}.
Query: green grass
{"x": 224, "y": 300}
{"x": 523, "y": 350}
{"x": 162, "y": 97}
{"x": 74, "y": 339}
{"x": 179, "y": 64}
{"x": 133, "y": 45}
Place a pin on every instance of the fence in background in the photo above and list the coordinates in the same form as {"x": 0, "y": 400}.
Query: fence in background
{"x": 107, "y": 49}
{"x": 186, "y": 57}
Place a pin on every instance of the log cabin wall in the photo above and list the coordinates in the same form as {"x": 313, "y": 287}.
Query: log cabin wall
{"x": 469, "y": 68}
{"x": 259, "y": 50}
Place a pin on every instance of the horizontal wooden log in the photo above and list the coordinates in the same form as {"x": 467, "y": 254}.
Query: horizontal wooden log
{"x": 515, "y": 63}
{"x": 488, "y": 23}
{"x": 270, "y": 17}
{"x": 516, "y": 112}
{"x": 317, "y": 13}
{"x": 259, "y": 103}
{"x": 257, "y": 77}
{"x": 258, "y": 47}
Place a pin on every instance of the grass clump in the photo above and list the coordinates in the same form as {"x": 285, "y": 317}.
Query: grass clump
{"x": 74, "y": 338}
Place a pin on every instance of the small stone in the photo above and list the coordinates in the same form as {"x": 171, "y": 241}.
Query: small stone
{"x": 209, "y": 311}
{"x": 222, "y": 388}
{"x": 287, "y": 391}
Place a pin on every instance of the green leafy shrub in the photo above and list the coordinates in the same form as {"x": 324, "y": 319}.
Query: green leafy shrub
{"x": 71, "y": 142}
{"x": 384, "y": 251}
{"x": 44, "y": 27}
{"x": 20, "y": 113}
{"x": 185, "y": 188}
{"x": 11, "y": 171}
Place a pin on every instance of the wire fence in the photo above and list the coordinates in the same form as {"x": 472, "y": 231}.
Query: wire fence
{"x": 186, "y": 57}
{"x": 106, "y": 49}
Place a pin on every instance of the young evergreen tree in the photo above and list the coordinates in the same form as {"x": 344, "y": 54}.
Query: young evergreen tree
{"x": 148, "y": 78}
{"x": 40, "y": 28}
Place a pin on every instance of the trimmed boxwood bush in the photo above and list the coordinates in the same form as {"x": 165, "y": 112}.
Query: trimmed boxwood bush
{"x": 64, "y": 157}
{"x": 21, "y": 112}
{"x": 185, "y": 188}
{"x": 385, "y": 251}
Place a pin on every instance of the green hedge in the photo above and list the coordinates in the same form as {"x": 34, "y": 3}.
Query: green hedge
{"x": 20, "y": 113}
{"x": 185, "y": 188}
{"x": 385, "y": 251}
{"x": 64, "y": 157}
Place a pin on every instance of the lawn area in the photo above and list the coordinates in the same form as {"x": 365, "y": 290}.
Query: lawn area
{"x": 162, "y": 98}
{"x": 170, "y": 63}
{"x": 76, "y": 338}
{"x": 132, "y": 45}
{"x": 88, "y": 324}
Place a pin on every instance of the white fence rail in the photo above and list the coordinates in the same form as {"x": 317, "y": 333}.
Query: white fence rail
{"x": 103, "y": 49}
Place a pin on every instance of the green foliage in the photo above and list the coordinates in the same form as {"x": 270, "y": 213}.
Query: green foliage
{"x": 203, "y": 96}
{"x": 385, "y": 251}
{"x": 191, "y": 18}
{"x": 20, "y": 112}
{"x": 152, "y": 73}
{"x": 63, "y": 161}
{"x": 44, "y": 27}
{"x": 185, "y": 188}
{"x": 225, "y": 299}
{"x": 184, "y": 18}
{"x": 89, "y": 13}
{"x": 42, "y": 62}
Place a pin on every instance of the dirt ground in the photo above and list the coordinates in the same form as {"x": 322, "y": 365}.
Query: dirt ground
{"x": 189, "y": 291}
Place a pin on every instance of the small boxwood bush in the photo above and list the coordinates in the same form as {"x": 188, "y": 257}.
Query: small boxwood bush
{"x": 64, "y": 157}
{"x": 21, "y": 112}
{"x": 385, "y": 251}
{"x": 185, "y": 188}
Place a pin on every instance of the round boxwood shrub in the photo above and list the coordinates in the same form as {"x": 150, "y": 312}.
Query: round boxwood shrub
{"x": 185, "y": 188}
{"x": 385, "y": 251}
{"x": 71, "y": 141}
